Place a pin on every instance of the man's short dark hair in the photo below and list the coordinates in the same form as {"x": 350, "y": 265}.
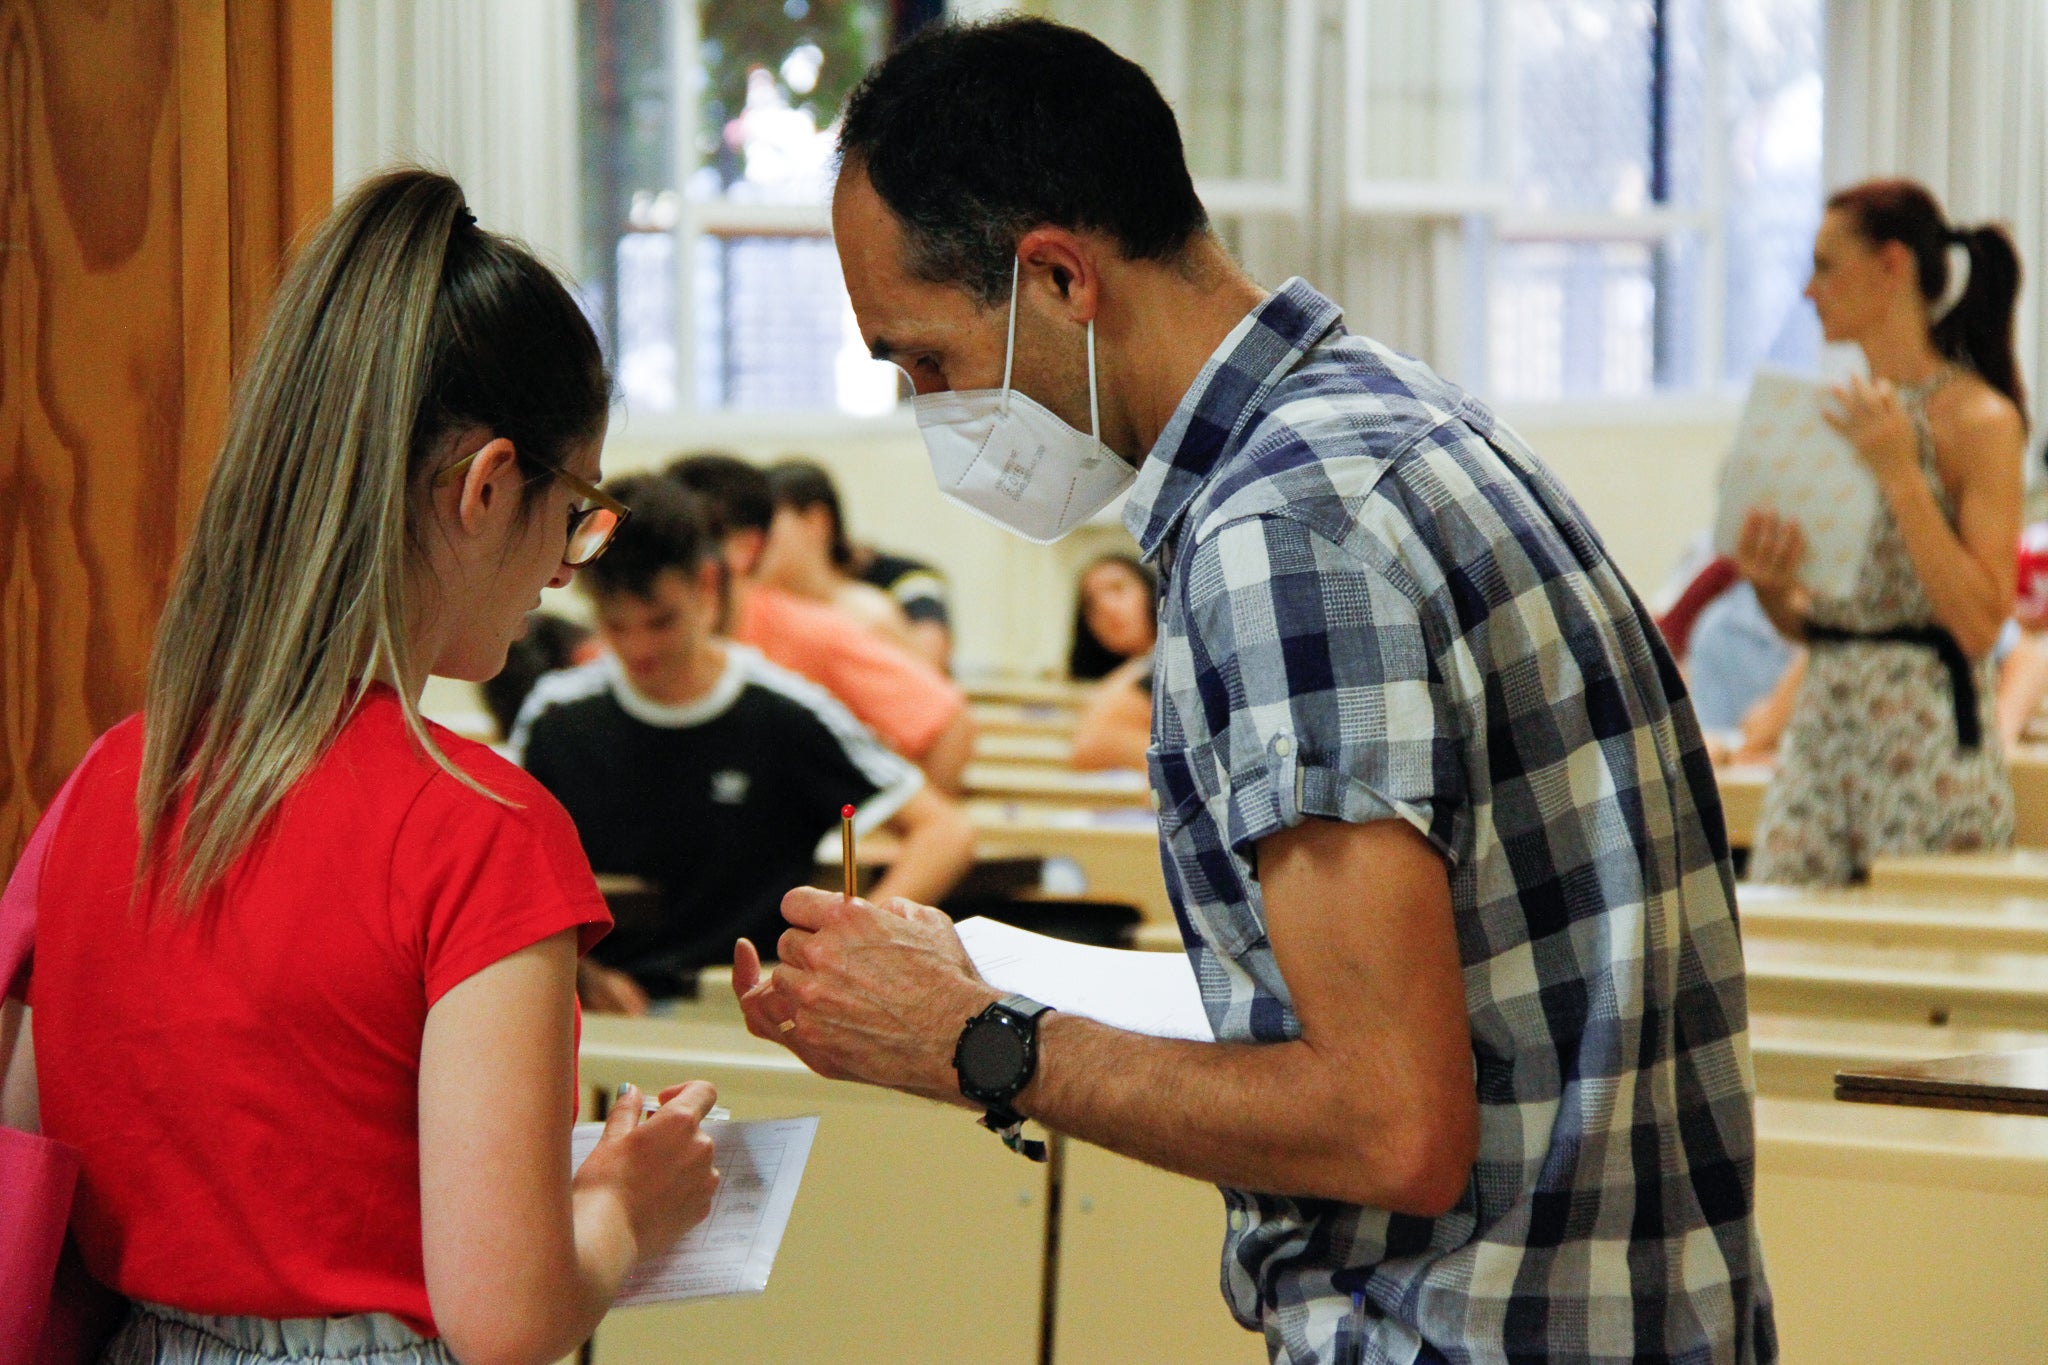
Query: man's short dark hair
{"x": 974, "y": 134}
{"x": 735, "y": 494}
{"x": 668, "y": 529}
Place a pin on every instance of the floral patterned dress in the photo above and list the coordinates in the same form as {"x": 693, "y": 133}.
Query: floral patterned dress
{"x": 1871, "y": 762}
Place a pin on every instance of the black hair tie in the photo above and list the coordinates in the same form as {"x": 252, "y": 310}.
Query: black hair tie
{"x": 465, "y": 217}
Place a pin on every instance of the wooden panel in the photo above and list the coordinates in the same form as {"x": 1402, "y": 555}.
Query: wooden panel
{"x": 1140, "y": 1262}
{"x": 1855, "y": 1203}
{"x": 916, "y": 1236}
{"x": 153, "y": 159}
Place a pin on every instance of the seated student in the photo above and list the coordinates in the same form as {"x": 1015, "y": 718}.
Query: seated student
{"x": 1116, "y": 611}
{"x": 909, "y": 704}
{"x": 1116, "y": 616}
{"x": 806, "y": 554}
{"x": 920, "y": 590}
{"x": 696, "y": 764}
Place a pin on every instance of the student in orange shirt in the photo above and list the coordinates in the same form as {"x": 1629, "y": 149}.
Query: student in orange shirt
{"x": 906, "y": 701}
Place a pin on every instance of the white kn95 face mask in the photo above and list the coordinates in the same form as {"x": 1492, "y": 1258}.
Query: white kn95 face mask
{"x": 1012, "y": 461}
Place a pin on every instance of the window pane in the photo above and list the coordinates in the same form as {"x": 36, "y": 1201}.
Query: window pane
{"x": 1774, "y": 184}
{"x": 626, "y": 137}
{"x": 775, "y": 330}
{"x": 645, "y": 359}
{"x": 1426, "y": 90}
{"x": 768, "y": 318}
{"x": 1582, "y": 71}
{"x": 1221, "y": 64}
{"x": 1589, "y": 319}
{"x": 774, "y": 77}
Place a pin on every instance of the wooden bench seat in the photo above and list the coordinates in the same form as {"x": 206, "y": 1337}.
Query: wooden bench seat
{"x": 1036, "y": 782}
{"x": 1049, "y": 750}
{"x": 1797, "y": 1055}
{"x": 1882, "y": 918}
{"x": 2015, "y": 872}
{"x": 1965, "y": 988}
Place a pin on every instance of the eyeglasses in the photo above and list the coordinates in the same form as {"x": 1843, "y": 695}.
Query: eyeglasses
{"x": 591, "y": 526}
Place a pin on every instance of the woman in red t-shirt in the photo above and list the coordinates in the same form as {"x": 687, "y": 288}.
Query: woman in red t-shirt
{"x": 304, "y": 983}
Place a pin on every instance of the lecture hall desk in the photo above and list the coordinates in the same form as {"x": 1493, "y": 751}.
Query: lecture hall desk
{"x": 1136, "y": 1277}
{"x": 1982, "y": 1083}
{"x": 917, "y": 1237}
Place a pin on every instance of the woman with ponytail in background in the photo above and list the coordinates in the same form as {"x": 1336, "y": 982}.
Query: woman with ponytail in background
{"x": 1892, "y": 747}
{"x": 304, "y": 976}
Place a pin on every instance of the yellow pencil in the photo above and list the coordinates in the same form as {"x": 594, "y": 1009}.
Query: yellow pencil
{"x": 846, "y": 850}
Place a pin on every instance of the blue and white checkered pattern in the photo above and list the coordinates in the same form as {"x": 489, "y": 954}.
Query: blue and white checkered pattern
{"x": 1378, "y": 604}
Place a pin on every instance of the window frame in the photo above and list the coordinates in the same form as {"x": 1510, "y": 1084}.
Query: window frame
{"x": 1472, "y": 207}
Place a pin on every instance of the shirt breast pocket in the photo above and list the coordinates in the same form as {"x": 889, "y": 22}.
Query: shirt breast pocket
{"x": 1212, "y": 887}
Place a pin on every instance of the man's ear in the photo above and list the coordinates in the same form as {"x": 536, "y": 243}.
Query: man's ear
{"x": 1063, "y": 261}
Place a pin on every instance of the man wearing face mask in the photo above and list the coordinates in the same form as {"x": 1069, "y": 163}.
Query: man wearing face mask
{"x": 1434, "y": 812}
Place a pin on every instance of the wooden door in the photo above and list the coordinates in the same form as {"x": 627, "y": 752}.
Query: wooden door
{"x": 156, "y": 158}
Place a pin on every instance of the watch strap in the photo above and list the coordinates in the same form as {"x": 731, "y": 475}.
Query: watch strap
{"x": 1000, "y": 1119}
{"x": 1009, "y": 1126}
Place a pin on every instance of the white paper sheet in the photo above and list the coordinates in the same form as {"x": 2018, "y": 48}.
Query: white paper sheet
{"x": 733, "y": 1249}
{"x": 1151, "y": 993}
{"x": 1788, "y": 458}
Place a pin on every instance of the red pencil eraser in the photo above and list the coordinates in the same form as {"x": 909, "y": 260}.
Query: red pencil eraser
{"x": 846, "y": 812}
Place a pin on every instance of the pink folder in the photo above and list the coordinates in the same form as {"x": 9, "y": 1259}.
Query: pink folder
{"x": 51, "y": 1310}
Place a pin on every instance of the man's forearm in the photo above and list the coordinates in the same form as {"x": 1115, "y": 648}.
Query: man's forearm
{"x": 1272, "y": 1117}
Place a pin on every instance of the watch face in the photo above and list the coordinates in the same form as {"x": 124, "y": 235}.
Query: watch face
{"x": 991, "y": 1056}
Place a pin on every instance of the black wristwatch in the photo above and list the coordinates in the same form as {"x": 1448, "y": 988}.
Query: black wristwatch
{"x": 996, "y": 1057}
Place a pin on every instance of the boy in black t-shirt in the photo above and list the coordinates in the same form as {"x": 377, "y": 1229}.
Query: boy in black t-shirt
{"x": 695, "y": 764}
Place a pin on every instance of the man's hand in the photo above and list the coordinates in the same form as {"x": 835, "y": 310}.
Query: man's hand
{"x": 868, "y": 993}
{"x": 604, "y": 990}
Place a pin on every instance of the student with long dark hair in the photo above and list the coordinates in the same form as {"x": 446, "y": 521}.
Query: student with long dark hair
{"x": 304, "y": 981}
{"x": 1116, "y": 605}
{"x": 1892, "y": 746}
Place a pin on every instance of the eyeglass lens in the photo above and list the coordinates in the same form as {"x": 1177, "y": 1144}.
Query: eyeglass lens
{"x": 590, "y": 534}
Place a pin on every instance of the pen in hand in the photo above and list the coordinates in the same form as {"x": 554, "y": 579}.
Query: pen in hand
{"x": 846, "y": 850}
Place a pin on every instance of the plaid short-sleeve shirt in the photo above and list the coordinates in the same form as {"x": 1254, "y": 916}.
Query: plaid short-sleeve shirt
{"x": 1378, "y": 604}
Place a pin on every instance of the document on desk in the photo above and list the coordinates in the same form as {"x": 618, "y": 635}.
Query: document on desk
{"x": 1151, "y": 993}
{"x": 1786, "y": 457}
{"x": 733, "y": 1249}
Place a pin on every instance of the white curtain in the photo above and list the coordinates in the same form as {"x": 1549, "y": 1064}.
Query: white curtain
{"x": 1953, "y": 93}
{"x": 483, "y": 89}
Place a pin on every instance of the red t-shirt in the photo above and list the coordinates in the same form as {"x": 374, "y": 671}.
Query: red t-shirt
{"x": 244, "y": 1080}
{"x": 899, "y": 696}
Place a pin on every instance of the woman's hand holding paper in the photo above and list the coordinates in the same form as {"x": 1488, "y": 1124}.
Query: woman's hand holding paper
{"x": 1870, "y": 417}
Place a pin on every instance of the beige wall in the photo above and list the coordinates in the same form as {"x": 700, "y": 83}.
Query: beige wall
{"x": 1646, "y": 484}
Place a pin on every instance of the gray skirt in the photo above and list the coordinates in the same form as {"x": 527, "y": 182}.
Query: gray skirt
{"x": 156, "y": 1335}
